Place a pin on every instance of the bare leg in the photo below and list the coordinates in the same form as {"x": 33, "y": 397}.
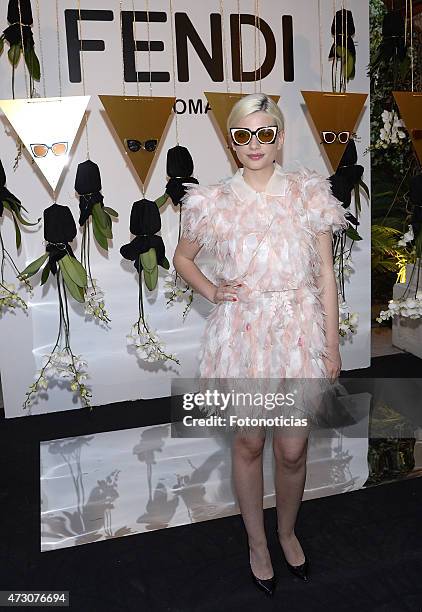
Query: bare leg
{"x": 248, "y": 482}
{"x": 290, "y": 473}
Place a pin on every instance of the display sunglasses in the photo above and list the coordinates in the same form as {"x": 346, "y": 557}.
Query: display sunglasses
{"x": 134, "y": 146}
{"x": 330, "y": 137}
{"x": 264, "y": 135}
{"x": 41, "y": 150}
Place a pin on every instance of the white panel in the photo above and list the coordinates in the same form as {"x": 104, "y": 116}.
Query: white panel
{"x": 116, "y": 375}
{"x": 119, "y": 483}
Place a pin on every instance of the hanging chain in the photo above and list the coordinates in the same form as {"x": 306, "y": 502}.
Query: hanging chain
{"x": 405, "y": 21}
{"x": 411, "y": 44}
{"x": 149, "y": 49}
{"x": 223, "y": 35}
{"x": 58, "y": 49}
{"x": 254, "y": 41}
{"x": 240, "y": 46}
{"x": 334, "y": 69}
{"x": 23, "y": 49}
{"x": 121, "y": 43}
{"x": 134, "y": 45}
{"x": 83, "y": 74}
{"x": 259, "y": 47}
{"x": 346, "y": 48}
{"x": 321, "y": 63}
{"x": 173, "y": 48}
{"x": 41, "y": 49}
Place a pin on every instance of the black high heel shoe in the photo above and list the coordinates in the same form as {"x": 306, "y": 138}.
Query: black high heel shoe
{"x": 301, "y": 571}
{"x": 268, "y": 586}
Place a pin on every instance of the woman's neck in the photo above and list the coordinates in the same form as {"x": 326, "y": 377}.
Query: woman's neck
{"x": 258, "y": 179}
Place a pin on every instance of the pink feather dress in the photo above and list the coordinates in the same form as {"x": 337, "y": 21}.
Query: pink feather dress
{"x": 275, "y": 332}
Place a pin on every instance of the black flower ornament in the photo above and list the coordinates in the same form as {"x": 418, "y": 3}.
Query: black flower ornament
{"x": 71, "y": 276}
{"x": 179, "y": 170}
{"x": 91, "y": 202}
{"x": 393, "y": 44}
{"x": 348, "y": 178}
{"x": 147, "y": 251}
{"x": 343, "y": 47}
{"x": 59, "y": 231}
{"x": 20, "y": 39}
{"x": 92, "y": 212}
{"x": 9, "y": 297}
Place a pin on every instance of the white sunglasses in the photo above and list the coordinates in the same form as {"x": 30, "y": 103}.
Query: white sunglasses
{"x": 264, "y": 135}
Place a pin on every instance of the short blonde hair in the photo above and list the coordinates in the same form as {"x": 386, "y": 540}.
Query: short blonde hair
{"x": 253, "y": 103}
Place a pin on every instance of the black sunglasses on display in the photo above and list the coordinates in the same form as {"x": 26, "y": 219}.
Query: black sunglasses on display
{"x": 264, "y": 135}
{"x": 134, "y": 146}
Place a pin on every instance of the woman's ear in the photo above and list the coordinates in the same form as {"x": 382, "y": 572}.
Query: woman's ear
{"x": 280, "y": 140}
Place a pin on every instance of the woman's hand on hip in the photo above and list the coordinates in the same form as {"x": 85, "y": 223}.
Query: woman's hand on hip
{"x": 226, "y": 292}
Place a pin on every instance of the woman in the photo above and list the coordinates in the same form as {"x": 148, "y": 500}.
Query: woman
{"x": 276, "y": 306}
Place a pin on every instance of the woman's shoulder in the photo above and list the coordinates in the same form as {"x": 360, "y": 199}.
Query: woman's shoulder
{"x": 207, "y": 195}
{"x": 305, "y": 178}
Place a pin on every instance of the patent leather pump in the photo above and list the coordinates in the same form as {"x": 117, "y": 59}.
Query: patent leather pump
{"x": 301, "y": 571}
{"x": 267, "y": 586}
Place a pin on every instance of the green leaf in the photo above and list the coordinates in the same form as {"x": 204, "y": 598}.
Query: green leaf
{"x": 75, "y": 291}
{"x": 109, "y": 233}
{"x": 165, "y": 263}
{"x": 149, "y": 259}
{"x": 17, "y": 232}
{"x": 14, "y": 54}
{"x": 347, "y": 60}
{"x": 357, "y": 199}
{"x": 1, "y": 44}
{"x": 111, "y": 211}
{"x": 162, "y": 200}
{"x": 366, "y": 189}
{"x": 14, "y": 208}
{"x": 149, "y": 265}
{"x": 103, "y": 221}
{"x": 12, "y": 205}
{"x": 151, "y": 279}
{"x": 352, "y": 233}
{"x": 33, "y": 267}
{"x": 100, "y": 215}
{"x": 99, "y": 236}
{"x": 45, "y": 273}
{"x": 18, "y": 235}
{"x": 33, "y": 64}
{"x": 75, "y": 270}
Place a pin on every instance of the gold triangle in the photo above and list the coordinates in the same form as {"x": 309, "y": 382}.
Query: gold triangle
{"x": 139, "y": 118}
{"x": 334, "y": 112}
{"x": 410, "y": 106}
{"x": 221, "y": 105}
{"x": 47, "y": 121}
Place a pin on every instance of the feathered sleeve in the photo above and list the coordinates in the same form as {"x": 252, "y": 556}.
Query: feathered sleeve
{"x": 324, "y": 211}
{"x": 197, "y": 215}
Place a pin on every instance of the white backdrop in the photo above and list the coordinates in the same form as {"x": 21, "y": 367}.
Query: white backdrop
{"x": 115, "y": 374}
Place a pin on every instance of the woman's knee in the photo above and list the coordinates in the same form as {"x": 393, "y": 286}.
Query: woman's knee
{"x": 248, "y": 447}
{"x": 291, "y": 456}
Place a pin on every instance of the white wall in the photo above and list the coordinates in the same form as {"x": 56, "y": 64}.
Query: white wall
{"x": 115, "y": 374}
